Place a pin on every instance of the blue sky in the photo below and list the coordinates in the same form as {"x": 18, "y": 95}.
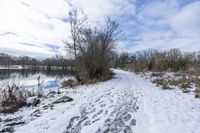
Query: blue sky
{"x": 36, "y": 28}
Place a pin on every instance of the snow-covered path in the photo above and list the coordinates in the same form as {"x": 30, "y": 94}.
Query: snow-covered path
{"x": 165, "y": 111}
{"x": 127, "y": 104}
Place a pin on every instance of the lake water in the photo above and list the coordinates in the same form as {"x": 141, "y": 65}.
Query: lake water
{"x": 29, "y": 78}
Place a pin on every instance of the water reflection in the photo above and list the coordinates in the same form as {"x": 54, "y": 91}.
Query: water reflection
{"x": 52, "y": 78}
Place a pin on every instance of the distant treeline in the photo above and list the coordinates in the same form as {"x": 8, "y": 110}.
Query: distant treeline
{"x": 155, "y": 60}
{"x": 6, "y": 60}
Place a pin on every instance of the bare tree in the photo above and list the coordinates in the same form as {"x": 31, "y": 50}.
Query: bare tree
{"x": 92, "y": 47}
{"x": 96, "y": 47}
{"x": 76, "y": 23}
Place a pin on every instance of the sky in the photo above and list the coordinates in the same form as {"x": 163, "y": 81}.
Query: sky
{"x": 38, "y": 28}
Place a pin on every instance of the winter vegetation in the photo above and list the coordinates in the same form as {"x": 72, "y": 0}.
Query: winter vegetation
{"x": 154, "y": 60}
{"x": 14, "y": 96}
{"x": 184, "y": 65}
{"x": 92, "y": 47}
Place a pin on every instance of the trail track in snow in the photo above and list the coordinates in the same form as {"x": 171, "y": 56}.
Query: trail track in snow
{"x": 108, "y": 110}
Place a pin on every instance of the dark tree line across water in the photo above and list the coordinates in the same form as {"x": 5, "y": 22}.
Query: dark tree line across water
{"x": 7, "y": 60}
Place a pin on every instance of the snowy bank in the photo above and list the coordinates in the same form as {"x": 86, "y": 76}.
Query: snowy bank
{"x": 127, "y": 103}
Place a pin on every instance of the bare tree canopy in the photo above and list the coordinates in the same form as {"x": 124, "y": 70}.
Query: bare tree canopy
{"x": 92, "y": 46}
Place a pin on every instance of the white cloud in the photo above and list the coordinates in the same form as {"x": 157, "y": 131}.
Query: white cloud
{"x": 37, "y": 22}
{"x": 187, "y": 21}
{"x": 26, "y": 26}
{"x": 165, "y": 25}
{"x": 98, "y": 10}
{"x": 158, "y": 12}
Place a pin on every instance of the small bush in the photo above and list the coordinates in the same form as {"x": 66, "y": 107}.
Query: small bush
{"x": 174, "y": 82}
{"x": 12, "y": 98}
{"x": 69, "y": 83}
{"x": 186, "y": 85}
{"x": 182, "y": 83}
{"x": 40, "y": 85}
{"x": 86, "y": 80}
{"x": 157, "y": 74}
{"x": 162, "y": 83}
{"x": 83, "y": 78}
{"x": 197, "y": 91}
{"x": 166, "y": 64}
{"x": 178, "y": 65}
{"x": 159, "y": 81}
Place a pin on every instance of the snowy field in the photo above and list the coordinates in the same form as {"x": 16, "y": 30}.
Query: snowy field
{"x": 126, "y": 104}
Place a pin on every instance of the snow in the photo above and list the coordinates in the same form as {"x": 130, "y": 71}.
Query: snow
{"x": 11, "y": 67}
{"x": 127, "y": 103}
{"x": 169, "y": 111}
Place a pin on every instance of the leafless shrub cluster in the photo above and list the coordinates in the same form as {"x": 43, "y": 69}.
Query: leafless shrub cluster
{"x": 14, "y": 96}
{"x": 92, "y": 47}
{"x": 197, "y": 89}
{"x": 163, "y": 83}
{"x": 69, "y": 83}
{"x": 39, "y": 89}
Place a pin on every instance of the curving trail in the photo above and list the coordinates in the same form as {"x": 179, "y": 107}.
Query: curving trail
{"x": 108, "y": 110}
{"x": 126, "y": 104}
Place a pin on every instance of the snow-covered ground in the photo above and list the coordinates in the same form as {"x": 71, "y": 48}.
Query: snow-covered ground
{"x": 127, "y": 103}
{"x": 165, "y": 111}
{"x": 11, "y": 67}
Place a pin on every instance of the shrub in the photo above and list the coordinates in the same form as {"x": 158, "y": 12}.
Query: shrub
{"x": 69, "y": 83}
{"x": 87, "y": 80}
{"x": 182, "y": 83}
{"x": 165, "y": 64}
{"x": 162, "y": 83}
{"x": 92, "y": 47}
{"x": 12, "y": 98}
{"x": 40, "y": 85}
{"x": 197, "y": 91}
{"x": 157, "y": 74}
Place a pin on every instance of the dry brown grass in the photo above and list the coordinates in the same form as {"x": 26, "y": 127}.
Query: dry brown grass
{"x": 197, "y": 91}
